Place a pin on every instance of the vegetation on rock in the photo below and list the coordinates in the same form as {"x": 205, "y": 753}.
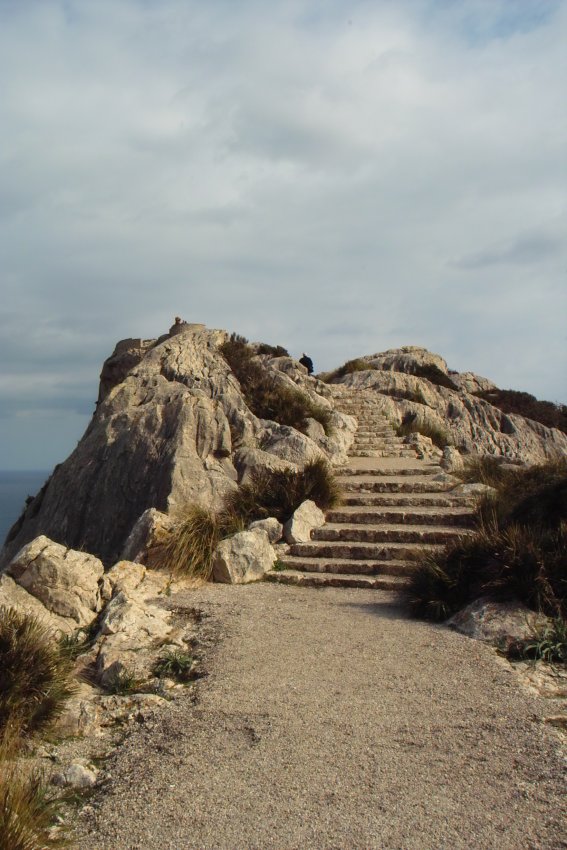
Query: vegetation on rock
{"x": 412, "y": 425}
{"x": 266, "y": 398}
{"x": 188, "y": 548}
{"x": 519, "y": 550}
{"x": 35, "y": 674}
{"x": 356, "y": 365}
{"x": 523, "y": 404}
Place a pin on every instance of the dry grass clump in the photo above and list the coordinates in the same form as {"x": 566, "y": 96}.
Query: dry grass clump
{"x": 272, "y": 350}
{"x": 433, "y": 374}
{"x": 519, "y": 550}
{"x": 279, "y": 493}
{"x": 266, "y": 398}
{"x": 188, "y": 548}
{"x": 356, "y": 365}
{"x": 35, "y": 683}
{"x": 35, "y": 673}
{"x": 28, "y": 811}
{"x": 411, "y": 425}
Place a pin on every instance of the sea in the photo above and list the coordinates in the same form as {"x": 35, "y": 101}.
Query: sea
{"x": 15, "y": 487}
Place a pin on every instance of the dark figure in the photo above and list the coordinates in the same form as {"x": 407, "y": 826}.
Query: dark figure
{"x": 307, "y": 362}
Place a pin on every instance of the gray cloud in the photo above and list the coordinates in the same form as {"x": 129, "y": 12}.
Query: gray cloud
{"x": 303, "y": 173}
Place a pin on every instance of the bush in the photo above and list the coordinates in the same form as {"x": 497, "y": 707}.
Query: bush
{"x": 511, "y": 401}
{"x": 266, "y": 398}
{"x": 187, "y": 549}
{"x": 279, "y": 493}
{"x": 434, "y": 374}
{"x": 35, "y": 674}
{"x": 518, "y": 562}
{"x": 411, "y": 425}
{"x": 519, "y": 550}
{"x": 272, "y": 350}
{"x": 28, "y": 811}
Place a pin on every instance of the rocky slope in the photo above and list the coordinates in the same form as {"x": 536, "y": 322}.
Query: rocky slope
{"x": 412, "y": 383}
{"x": 171, "y": 427}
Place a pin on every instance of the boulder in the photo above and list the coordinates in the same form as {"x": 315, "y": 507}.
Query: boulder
{"x": 493, "y": 622}
{"x": 452, "y": 460}
{"x": 75, "y": 776}
{"x": 243, "y": 558}
{"x": 272, "y": 527}
{"x": 14, "y": 596}
{"x": 144, "y": 535}
{"x": 68, "y": 583}
{"x": 299, "y": 527}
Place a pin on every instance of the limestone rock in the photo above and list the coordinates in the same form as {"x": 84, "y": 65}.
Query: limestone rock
{"x": 65, "y": 581}
{"x": 424, "y": 447}
{"x": 471, "y": 424}
{"x": 490, "y": 621}
{"x": 406, "y": 359}
{"x": 452, "y": 460}
{"x": 243, "y": 558}
{"x": 126, "y": 577}
{"x": 299, "y": 527}
{"x": 14, "y": 596}
{"x": 272, "y": 527}
{"x": 75, "y": 776}
{"x": 170, "y": 420}
{"x": 144, "y": 535}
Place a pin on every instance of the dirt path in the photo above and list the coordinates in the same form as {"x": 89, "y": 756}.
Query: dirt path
{"x": 330, "y": 721}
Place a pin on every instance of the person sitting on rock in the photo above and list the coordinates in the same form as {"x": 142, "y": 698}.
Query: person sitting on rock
{"x": 307, "y": 362}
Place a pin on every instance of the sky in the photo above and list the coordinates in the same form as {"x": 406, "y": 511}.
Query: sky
{"x": 336, "y": 177}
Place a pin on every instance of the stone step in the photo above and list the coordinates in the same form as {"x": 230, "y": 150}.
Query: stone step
{"x": 360, "y": 551}
{"x": 406, "y": 500}
{"x": 327, "y": 565}
{"x": 397, "y": 533}
{"x": 387, "y": 472}
{"x": 394, "y": 583}
{"x": 391, "y": 485}
{"x": 459, "y": 516}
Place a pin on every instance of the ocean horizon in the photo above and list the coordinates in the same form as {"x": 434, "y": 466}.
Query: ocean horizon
{"x": 15, "y": 487}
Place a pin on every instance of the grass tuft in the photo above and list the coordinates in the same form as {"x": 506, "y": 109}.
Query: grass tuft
{"x": 28, "y": 811}
{"x": 548, "y": 644}
{"x": 188, "y": 548}
{"x": 411, "y": 425}
{"x": 35, "y": 673}
{"x": 175, "y": 664}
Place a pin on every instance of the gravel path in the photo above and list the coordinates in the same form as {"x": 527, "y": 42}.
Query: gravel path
{"x": 330, "y": 721}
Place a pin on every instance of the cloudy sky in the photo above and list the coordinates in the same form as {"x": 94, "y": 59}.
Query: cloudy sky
{"x": 336, "y": 177}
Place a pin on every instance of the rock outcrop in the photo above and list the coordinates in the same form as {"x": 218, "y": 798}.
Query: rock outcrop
{"x": 171, "y": 427}
{"x": 412, "y": 383}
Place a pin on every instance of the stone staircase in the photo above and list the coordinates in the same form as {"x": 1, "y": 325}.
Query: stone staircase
{"x": 392, "y": 504}
{"x": 375, "y": 435}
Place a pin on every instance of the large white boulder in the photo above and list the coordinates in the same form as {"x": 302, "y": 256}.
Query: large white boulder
{"x": 299, "y": 527}
{"x": 68, "y": 583}
{"x": 243, "y": 558}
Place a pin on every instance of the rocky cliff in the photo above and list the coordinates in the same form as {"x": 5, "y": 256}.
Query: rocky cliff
{"x": 171, "y": 427}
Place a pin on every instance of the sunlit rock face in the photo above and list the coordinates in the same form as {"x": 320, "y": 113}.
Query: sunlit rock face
{"x": 171, "y": 427}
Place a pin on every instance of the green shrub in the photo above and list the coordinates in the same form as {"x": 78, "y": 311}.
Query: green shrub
{"x": 266, "y": 398}
{"x": 187, "y": 549}
{"x": 35, "y": 674}
{"x": 175, "y": 664}
{"x": 511, "y": 401}
{"x": 28, "y": 811}
{"x": 124, "y": 682}
{"x": 547, "y": 644}
{"x": 411, "y": 425}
